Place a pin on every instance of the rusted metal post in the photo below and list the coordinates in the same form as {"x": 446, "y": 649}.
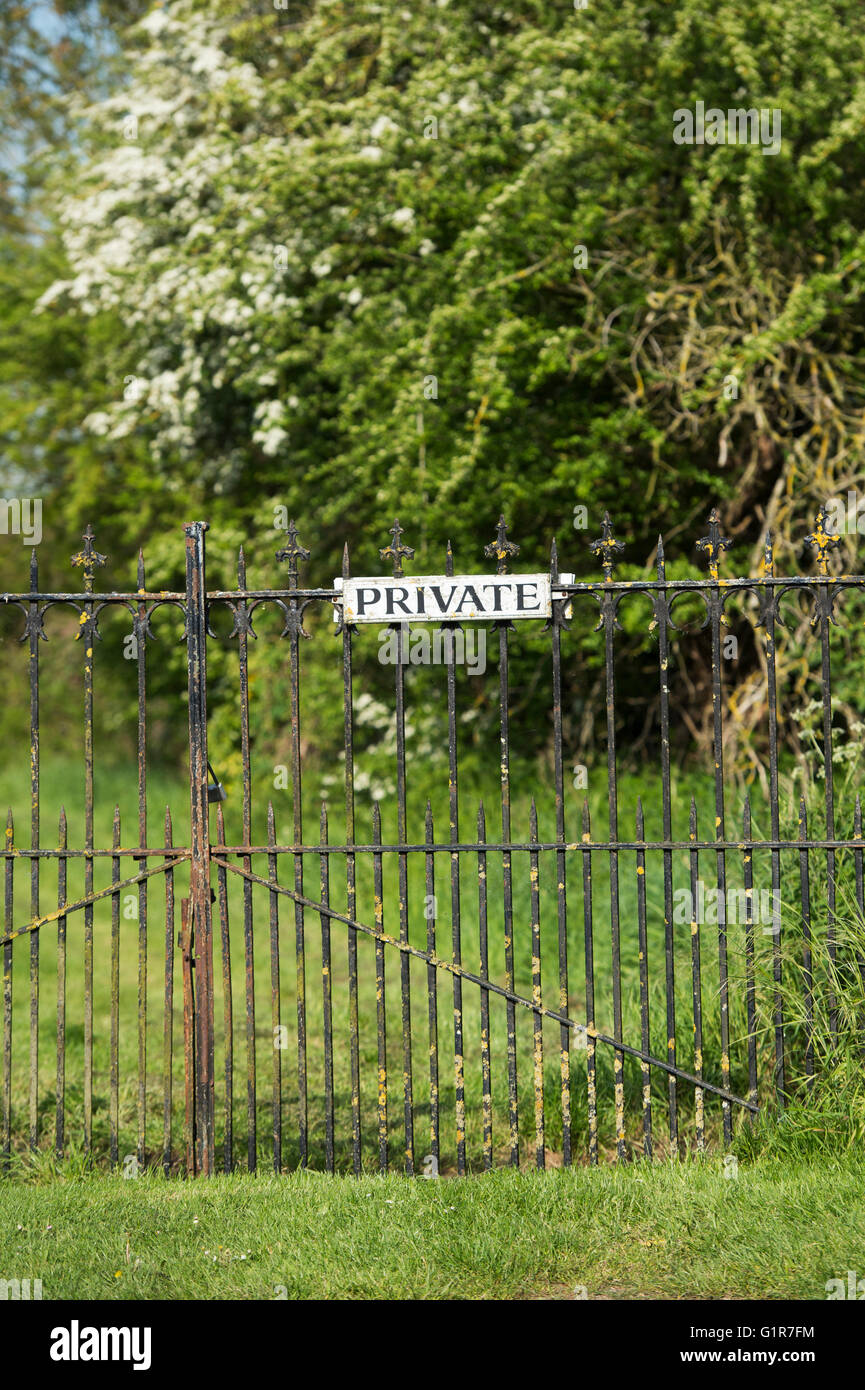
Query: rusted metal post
{"x": 188, "y": 1038}
{"x": 199, "y": 882}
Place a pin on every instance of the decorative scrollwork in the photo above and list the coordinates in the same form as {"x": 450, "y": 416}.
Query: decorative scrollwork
{"x": 293, "y": 615}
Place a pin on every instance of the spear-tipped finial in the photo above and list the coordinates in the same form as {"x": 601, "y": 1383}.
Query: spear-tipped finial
{"x": 501, "y": 548}
{"x": 822, "y": 540}
{"x": 396, "y": 550}
{"x": 714, "y": 543}
{"x": 769, "y": 557}
{"x": 606, "y": 547}
{"x": 88, "y": 558}
{"x": 293, "y": 552}
{"x": 449, "y": 561}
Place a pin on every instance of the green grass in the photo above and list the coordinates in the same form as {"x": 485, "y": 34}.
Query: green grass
{"x": 677, "y": 1231}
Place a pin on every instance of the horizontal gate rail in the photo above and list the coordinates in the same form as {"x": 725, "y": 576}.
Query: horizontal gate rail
{"x": 527, "y": 846}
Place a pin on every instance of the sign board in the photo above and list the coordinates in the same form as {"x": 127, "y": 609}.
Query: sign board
{"x": 438, "y": 598}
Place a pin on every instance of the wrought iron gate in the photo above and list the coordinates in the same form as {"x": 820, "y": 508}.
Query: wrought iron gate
{"x": 496, "y": 967}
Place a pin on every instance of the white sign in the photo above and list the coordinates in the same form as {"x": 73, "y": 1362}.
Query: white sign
{"x": 436, "y": 598}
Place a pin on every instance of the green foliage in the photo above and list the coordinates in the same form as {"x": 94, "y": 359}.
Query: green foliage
{"x": 329, "y": 260}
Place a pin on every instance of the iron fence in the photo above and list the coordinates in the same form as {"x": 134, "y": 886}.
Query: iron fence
{"x": 497, "y": 962}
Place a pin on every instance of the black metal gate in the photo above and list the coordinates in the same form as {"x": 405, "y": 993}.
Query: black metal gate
{"x": 345, "y": 1121}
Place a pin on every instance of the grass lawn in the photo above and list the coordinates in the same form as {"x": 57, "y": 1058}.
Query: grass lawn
{"x": 779, "y": 1229}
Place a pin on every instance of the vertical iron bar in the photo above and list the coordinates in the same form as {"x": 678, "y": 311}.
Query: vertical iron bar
{"x": 772, "y": 697}
{"x": 401, "y": 630}
{"x": 860, "y": 879}
{"x": 168, "y": 1016}
{"x": 196, "y": 639}
{"x": 60, "y": 1121}
{"x": 805, "y": 888}
{"x": 297, "y": 819}
{"x": 537, "y": 1001}
{"x": 88, "y": 559}
{"x": 114, "y": 1045}
{"x": 276, "y": 1030}
{"x": 500, "y": 549}
{"x": 643, "y": 950}
{"x": 666, "y": 798}
{"x": 696, "y": 983}
{"x": 453, "y": 809}
{"x": 618, "y": 1056}
{"x": 483, "y": 943}
{"x": 7, "y": 991}
{"x": 750, "y": 980}
{"x": 327, "y": 997}
{"x": 714, "y": 601}
{"x": 432, "y": 990}
{"x": 248, "y": 939}
{"x": 350, "y": 882}
{"x": 591, "y": 1062}
{"x": 826, "y": 681}
{"x": 381, "y": 1013}
{"x": 141, "y": 861}
{"x": 561, "y": 863}
{"x": 33, "y": 626}
{"x": 507, "y": 888}
{"x": 227, "y": 1001}
{"x": 189, "y": 1081}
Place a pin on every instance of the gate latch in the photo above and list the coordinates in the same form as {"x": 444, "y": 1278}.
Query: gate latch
{"x": 215, "y": 790}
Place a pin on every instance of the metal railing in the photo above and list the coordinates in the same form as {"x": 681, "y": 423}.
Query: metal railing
{"x": 351, "y": 979}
